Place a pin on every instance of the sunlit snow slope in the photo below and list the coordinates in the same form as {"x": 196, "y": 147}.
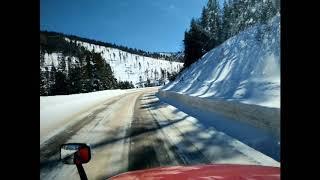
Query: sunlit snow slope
{"x": 245, "y": 68}
{"x": 126, "y": 66}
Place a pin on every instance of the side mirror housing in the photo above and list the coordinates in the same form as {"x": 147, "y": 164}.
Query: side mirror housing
{"x": 75, "y": 153}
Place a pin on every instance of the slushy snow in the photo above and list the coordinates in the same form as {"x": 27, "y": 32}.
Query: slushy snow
{"x": 245, "y": 68}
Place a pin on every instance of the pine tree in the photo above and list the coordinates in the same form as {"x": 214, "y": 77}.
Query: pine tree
{"x": 69, "y": 63}
{"x": 140, "y": 81}
{"x": 62, "y": 65}
{"x": 74, "y": 80}
{"x": 204, "y": 34}
{"x": 155, "y": 74}
{"x": 234, "y": 17}
{"x": 41, "y": 58}
{"x": 87, "y": 74}
{"x": 205, "y": 19}
{"x": 241, "y": 19}
{"x": 43, "y": 90}
{"x": 104, "y": 73}
{"x": 194, "y": 43}
{"x": 226, "y": 21}
{"x": 277, "y": 5}
{"x": 60, "y": 85}
{"x": 51, "y": 81}
{"x": 213, "y": 23}
{"x": 148, "y": 83}
{"x": 268, "y": 10}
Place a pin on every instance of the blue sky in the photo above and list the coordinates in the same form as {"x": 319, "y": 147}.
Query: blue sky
{"x": 151, "y": 25}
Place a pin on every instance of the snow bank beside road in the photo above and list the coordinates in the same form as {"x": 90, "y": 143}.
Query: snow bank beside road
{"x": 265, "y": 118}
{"x": 56, "y": 110}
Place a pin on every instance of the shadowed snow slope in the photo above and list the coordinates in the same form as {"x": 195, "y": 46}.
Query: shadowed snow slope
{"x": 245, "y": 68}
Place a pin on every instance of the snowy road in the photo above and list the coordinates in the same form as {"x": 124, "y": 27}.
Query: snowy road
{"x": 138, "y": 131}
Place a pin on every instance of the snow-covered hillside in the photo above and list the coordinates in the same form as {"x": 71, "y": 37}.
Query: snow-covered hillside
{"x": 53, "y": 59}
{"x": 245, "y": 68}
{"x": 125, "y": 66}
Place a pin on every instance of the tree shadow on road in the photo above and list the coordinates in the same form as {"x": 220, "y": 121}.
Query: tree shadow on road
{"x": 145, "y": 145}
{"x": 247, "y": 134}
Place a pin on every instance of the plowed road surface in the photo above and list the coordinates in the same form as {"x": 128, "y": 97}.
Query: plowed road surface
{"x": 138, "y": 131}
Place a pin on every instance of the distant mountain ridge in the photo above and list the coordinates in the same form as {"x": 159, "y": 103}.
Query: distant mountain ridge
{"x": 158, "y": 55}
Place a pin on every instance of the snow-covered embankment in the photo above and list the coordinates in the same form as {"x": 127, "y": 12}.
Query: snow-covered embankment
{"x": 265, "y": 118}
{"x": 239, "y": 79}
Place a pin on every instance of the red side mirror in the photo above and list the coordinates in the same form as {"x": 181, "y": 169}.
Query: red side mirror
{"x": 75, "y": 153}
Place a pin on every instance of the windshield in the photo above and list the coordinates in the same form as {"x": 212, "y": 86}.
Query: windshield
{"x": 150, "y": 84}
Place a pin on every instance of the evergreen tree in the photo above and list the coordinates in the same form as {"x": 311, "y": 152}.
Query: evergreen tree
{"x": 74, "y": 80}
{"x": 87, "y": 74}
{"x": 140, "y": 81}
{"x": 194, "y": 46}
{"x": 62, "y": 64}
{"x": 268, "y": 11}
{"x": 104, "y": 73}
{"x": 241, "y": 16}
{"x": 60, "y": 85}
{"x": 69, "y": 64}
{"x": 43, "y": 90}
{"x": 148, "y": 83}
{"x": 226, "y": 21}
{"x": 234, "y": 17}
{"x": 125, "y": 85}
{"x": 51, "y": 82}
{"x": 204, "y": 34}
{"x": 277, "y": 5}
{"x": 211, "y": 21}
{"x": 41, "y": 58}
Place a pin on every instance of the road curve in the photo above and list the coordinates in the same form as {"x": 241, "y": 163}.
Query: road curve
{"x": 137, "y": 131}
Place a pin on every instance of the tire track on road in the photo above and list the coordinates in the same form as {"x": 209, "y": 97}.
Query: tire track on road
{"x": 149, "y": 145}
{"x": 49, "y": 150}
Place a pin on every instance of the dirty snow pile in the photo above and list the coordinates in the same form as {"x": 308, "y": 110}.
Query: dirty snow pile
{"x": 245, "y": 68}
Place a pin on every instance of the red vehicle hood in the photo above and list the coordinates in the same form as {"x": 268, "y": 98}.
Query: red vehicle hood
{"x": 215, "y": 171}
